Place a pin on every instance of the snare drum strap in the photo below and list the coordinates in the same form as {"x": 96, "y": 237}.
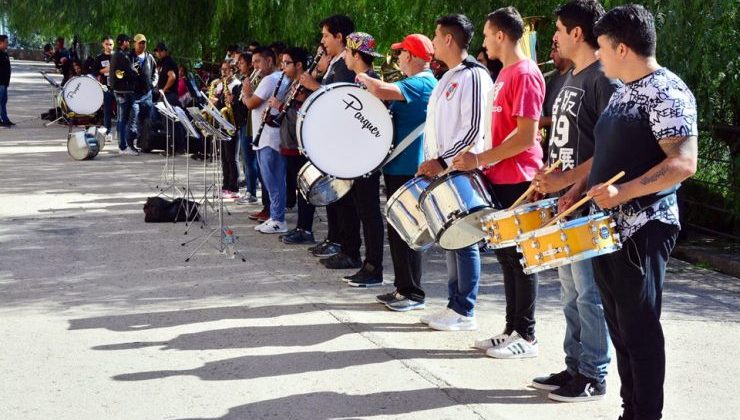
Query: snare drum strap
{"x": 405, "y": 143}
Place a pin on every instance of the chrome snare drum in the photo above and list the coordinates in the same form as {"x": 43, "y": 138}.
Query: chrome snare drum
{"x": 454, "y": 205}
{"x": 83, "y": 144}
{"x": 319, "y": 188}
{"x": 503, "y": 227}
{"x": 403, "y": 213}
{"x": 567, "y": 242}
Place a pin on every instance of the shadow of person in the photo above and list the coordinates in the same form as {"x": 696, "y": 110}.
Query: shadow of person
{"x": 329, "y": 405}
{"x": 264, "y": 366}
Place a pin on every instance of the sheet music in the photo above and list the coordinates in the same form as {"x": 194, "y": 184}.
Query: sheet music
{"x": 219, "y": 118}
{"x": 183, "y": 118}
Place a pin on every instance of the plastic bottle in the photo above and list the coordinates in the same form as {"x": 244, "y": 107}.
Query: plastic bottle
{"x": 229, "y": 240}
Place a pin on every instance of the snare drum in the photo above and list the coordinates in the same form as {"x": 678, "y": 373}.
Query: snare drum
{"x": 568, "y": 242}
{"x": 82, "y": 145}
{"x": 503, "y": 227}
{"x": 81, "y": 95}
{"x": 344, "y": 130}
{"x": 320, "y": 189}
{"x": 454, "y": 206}
{"x": 403, "y": 213}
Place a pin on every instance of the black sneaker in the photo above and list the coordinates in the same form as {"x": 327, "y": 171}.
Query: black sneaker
{"x": 388, "y": 297}
{"x": 580, "y": 389}
{"x": 290, "y": 232}
{"x": 314, "y": 248}
{"x": 368, "y": 276}
{"x": 360, "y": 273}
{"x": 340, "y": 261}
{"x": 330, "y": 249}
{"x": 8, "y": 123}
{"x": 553, "y": 381}
{"x": 404, "y": 304}
{"x": 299, "y": 237}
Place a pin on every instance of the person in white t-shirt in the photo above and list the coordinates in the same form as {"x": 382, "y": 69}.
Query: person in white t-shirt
{"x": 271, "y": 162}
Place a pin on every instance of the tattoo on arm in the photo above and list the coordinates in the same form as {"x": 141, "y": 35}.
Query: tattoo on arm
{"x": 649, "y": 179}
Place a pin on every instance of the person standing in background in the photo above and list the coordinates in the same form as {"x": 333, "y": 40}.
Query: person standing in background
{"x": 4, "y": 82}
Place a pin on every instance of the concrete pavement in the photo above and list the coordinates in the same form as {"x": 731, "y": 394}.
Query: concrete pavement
{"x": 101, "y": 318}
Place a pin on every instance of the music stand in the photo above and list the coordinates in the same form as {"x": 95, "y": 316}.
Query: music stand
{"x": 171, "y": 118}
{"x": 190, "y": 132}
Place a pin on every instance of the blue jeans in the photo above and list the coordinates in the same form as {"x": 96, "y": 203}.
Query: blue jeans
{"x": 272, "y": 168}
{"x": 251, "y": 173}
{"x": 125, "y": 102}
{"x": 463, "y": 273}
{"x": 141, "y": 109}
{"x": 108, "y": 100}
{"x": 3, "y": 103}
{"x": 586, "y": 341}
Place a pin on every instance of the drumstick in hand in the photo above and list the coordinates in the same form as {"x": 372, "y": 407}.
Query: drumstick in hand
{"x": 451, "y": 167}
{"x": 582, "y": 201}
{"x": 531, "y": 186}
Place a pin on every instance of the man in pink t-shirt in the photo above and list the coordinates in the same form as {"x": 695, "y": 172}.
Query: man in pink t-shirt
{"x": 514, "y": 152}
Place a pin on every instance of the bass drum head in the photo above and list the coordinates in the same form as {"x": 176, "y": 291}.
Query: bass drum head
{"x": 345, "y": 131}
{"x": 83, "y": 95}
{"x": 82, "y": 146}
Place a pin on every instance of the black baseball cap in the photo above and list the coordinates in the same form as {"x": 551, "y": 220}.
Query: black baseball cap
{"x": 122, "y": 37}
{"x": 161, "y": 47}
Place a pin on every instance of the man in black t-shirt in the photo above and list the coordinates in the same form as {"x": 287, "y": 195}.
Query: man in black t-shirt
{"x": 334, "y": 31}
{"x": 554, "y": 82}
{"x": 100, "y": 70}
{"x": 167, "y": 83}
{"x": 581, "y": 99}
{"x": 649, "y": 131}
{"x": 4, "y": 82}
{"x": 62, "y": 60}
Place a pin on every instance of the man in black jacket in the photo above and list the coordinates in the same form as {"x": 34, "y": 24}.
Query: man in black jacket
{"x": 4, "y": 81}
{"x": 145, "y": 81}
{"x": 121, "y": 79}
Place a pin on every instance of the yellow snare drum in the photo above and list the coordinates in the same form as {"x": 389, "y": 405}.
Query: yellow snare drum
{"x": 568, "y": 242}
{"x": 503, "y": 227}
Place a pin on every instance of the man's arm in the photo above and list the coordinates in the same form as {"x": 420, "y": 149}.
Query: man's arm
{"x": 679, "y": 164}
{"x": 382, "y": 90}
{"x": 171, "y": 81}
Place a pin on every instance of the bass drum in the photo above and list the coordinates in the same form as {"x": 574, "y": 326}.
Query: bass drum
{"x": 81, "y": 95}
{"x": 319, "y": 188}
{"x": 82, "y": 145}
{"x": 344, "y": 130}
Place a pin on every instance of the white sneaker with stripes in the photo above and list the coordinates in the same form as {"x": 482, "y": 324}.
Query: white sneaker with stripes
{"x": 488, "y": 343}
{"x": 515, "y": 348}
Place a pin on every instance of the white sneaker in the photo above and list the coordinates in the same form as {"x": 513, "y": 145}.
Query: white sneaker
{"x": 129, "y": 152}
{"x": 488, "y": 343}
{"x": 273, "y": 226}
{"x": 431, "y": 316}
{"x": 515, "y": 347}
{"x": 452, "y": 321}
{"x": 108, "y": 138}
{"x": 259, "y": 226}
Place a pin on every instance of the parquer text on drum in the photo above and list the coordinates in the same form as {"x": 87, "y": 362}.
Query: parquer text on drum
{"x": 356, "y": 105}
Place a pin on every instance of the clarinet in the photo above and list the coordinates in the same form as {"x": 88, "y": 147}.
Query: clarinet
{"x": 296, "y": 89}
{"x": 266, "y": 112}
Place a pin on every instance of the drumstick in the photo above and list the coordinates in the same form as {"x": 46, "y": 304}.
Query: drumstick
{"x": 531, "y": 186}
{"x": 582, "y": 201}
{"x": 451, "y": 167}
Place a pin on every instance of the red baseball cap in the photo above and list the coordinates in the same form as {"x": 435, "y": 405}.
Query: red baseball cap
{"x": 417, "y": 45}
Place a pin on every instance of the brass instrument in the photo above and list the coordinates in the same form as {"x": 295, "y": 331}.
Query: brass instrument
{"x": 227, "y": 111}
{"x": 254, "y": 79}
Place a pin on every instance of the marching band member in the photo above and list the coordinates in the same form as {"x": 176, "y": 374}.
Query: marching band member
{"x": 582, "y": 98}
{"x": 454, "y": 122}
{"x": 271, "y": 163}
{"x": 409, "y": 99}
{"x": 146, "y": 79}
{"x": 101, "y": 69}
{"x": 121, "y": 78}
{"x": 334, "y": 31}
{"x": 649, "y": 130}
{"x": 516, "y": 107}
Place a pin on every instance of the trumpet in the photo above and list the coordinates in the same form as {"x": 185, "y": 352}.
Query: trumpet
{"x": 253, "y": 80}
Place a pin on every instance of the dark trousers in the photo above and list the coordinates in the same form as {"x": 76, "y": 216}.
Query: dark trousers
{"x": 306, "y": 210}
{"x": 265, "y": 194}
{"x": 631, "y": 285}
{"x": 520, "y": 289}
{"x": 364, "y": 209}
{"x": 335, "y": 212}
{"x": 294, "y": 163}
{"x": 228, "y": 164}
{"x": 406, "y": 261}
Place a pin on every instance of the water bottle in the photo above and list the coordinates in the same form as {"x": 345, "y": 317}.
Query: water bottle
{"x": 229, "y": 240}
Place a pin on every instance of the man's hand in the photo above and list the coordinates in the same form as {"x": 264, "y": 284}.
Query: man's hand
{"x": 247, "y": 91}
{"x": 549, "y": 183}
{"x": 568, "y": 199}
{"x": 465, "y": 162}
{"x": 323, "y": 63}
{"x": 274, "y": 103}
{"x": 608, "y": 196}
{"x": 307, "y": 81}
{"x": 429, "y": 168}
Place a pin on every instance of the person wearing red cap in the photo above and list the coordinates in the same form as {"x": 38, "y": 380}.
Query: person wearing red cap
{"x": 409, "y": 98}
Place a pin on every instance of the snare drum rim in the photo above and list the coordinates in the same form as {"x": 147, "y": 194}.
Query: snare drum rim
{"x": 539, "y": 204}
{"x": 561, "y": 225}
{"x": 585, "y": 255}
{"x": 301, "y": 117}
{"x": 403, "y": 189}
{"x": 439, "y": 180}
{"x": 462, "y": 215}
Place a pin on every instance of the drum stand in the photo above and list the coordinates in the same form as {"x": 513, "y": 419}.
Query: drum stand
{"x": 217, "y": 195}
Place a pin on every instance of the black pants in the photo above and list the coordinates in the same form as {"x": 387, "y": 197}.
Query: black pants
{"x": 363, "y": 209}
{"x": 406, "y": 261}
{"x": 294, "y": 163}
{"x": 631, "y": 285}
{"x": 336, "y": 213}
{"x": 228, "y": 164}
{"x": 520, "y": 289}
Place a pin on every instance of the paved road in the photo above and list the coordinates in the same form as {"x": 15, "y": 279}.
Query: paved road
{"x": 101, "y": 318}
